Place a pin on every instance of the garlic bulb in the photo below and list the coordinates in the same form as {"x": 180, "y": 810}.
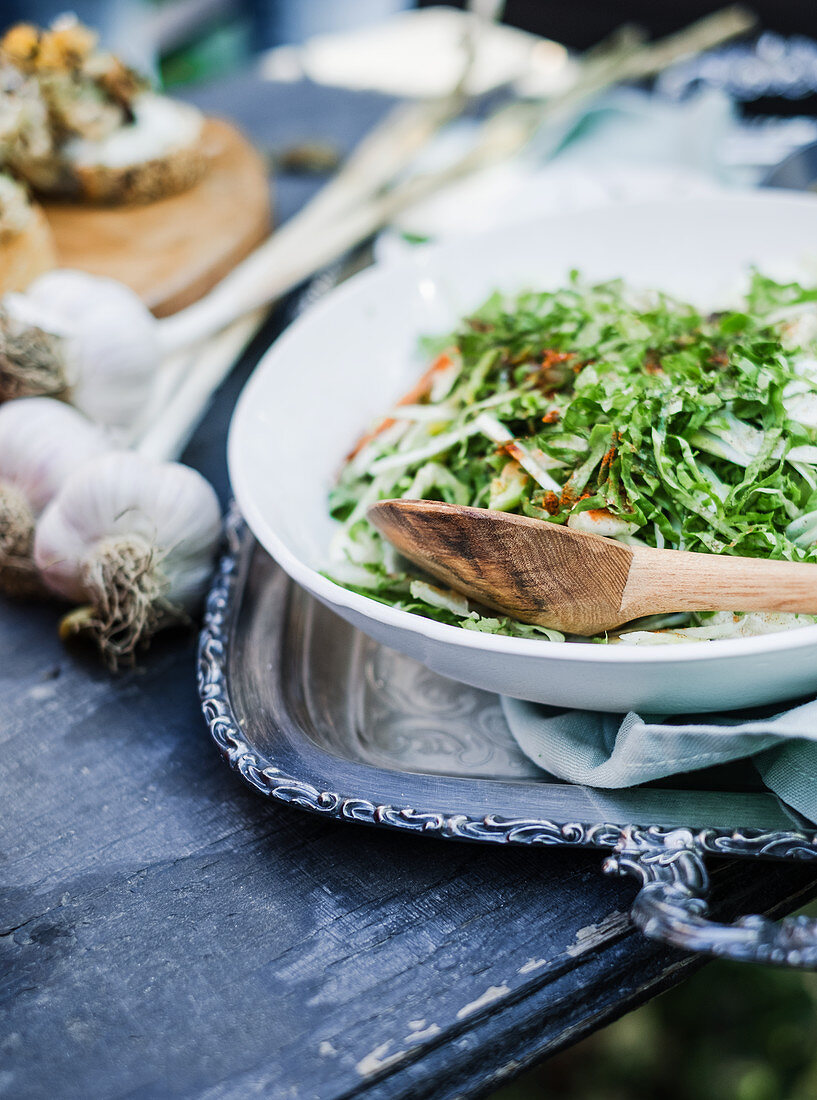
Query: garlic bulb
{"x": 42, "y": 441}
{"x": 84, "y": 336}
{"x": 134, "y": 541}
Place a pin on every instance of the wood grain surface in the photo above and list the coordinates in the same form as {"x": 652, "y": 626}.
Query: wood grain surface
{"x": 173, "y": 251}
{"x": 533, "y": 571}
{"x": 29, "y": 254}
{"x": 578, "y": 582}
{"x": 677, "y": 580}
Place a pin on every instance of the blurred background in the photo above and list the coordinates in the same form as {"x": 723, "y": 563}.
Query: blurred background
{"x": 730, "y": 1032}
{"x": 194, "y": 39}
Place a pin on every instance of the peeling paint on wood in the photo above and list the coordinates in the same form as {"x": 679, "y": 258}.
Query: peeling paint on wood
{"x": 491, "y": 994}
{"x": 599, "y": 933}
{"x": 419, "y": 1034}
{"x": 379, "y": 1060}
{"x": 532, "y": 965}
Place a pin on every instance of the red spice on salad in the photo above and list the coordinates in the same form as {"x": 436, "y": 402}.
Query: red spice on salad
{"x": 421, "y": 389}
{"x": 652, "y": 363}
{"x": 606, "y": 462}
{"x": 551, "y": 358}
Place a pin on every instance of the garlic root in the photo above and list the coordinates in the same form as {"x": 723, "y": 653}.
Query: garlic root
{"x": 32, "y": 360}
{"x": 126, "y": 587}
{"x": 18, "y": 575}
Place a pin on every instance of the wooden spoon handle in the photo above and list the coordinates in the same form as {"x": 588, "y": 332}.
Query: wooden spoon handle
{"x": 675, "y": 580}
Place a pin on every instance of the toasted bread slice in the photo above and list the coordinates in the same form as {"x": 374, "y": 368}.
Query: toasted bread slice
{"x": 160, "y": 153}
{"x": 148, "y": 181}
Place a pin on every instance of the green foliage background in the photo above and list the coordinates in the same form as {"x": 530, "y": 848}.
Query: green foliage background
{"x": 731, "y": 1032}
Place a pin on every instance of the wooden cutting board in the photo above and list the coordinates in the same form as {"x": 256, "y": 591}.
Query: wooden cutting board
{"x": 173, "y": 251}
{"x": 27, "y": 254}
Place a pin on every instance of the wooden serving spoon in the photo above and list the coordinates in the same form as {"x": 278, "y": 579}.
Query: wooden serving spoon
{"x": 580, "y": 583}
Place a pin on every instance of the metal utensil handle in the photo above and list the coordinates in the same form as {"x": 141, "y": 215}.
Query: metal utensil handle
{"x": 671, "y": 905}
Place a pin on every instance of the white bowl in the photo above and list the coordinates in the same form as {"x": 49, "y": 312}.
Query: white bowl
{"x": 345, "y": 361}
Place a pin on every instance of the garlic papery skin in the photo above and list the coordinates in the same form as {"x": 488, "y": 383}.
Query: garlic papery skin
{"x": 133, "y": 540}
{"x": 108, "y": 342}
{"x": 42, "y": 441}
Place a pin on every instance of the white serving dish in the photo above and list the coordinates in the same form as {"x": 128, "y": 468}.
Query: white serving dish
{"x": 346, "y": 360}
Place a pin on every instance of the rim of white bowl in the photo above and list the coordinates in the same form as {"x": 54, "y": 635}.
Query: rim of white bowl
{"x": 336, "y": 595}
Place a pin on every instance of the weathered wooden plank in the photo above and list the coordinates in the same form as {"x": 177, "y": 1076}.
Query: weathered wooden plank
{"x": 315, "y": 959}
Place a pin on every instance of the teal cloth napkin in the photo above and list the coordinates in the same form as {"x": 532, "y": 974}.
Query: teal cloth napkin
{"x": 606, "y": 750}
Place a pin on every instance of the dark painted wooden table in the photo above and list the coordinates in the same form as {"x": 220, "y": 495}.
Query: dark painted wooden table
{"x": 166, "y": 933}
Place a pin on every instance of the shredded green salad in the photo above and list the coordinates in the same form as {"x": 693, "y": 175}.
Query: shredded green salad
{"x": 625, "y": 413}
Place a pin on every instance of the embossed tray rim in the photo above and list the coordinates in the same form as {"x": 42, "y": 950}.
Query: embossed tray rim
{"x": 269, "y": 777}
{"x": 668, "y": 860}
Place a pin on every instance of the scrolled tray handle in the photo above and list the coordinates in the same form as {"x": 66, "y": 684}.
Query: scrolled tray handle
{"x": 672, "y": 906}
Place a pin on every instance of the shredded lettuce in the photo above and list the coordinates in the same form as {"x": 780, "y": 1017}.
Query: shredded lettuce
{"x": 611, "y": 409}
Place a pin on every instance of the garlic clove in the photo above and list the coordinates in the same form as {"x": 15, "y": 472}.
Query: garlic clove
{"x": 42, "y": 441}
{"x": 112, "y": 342}
{"x": 135, "y": 540}
{"x": 26, "y": 310}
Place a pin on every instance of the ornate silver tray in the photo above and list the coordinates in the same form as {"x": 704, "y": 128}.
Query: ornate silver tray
{"x": 313, "y": 713}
